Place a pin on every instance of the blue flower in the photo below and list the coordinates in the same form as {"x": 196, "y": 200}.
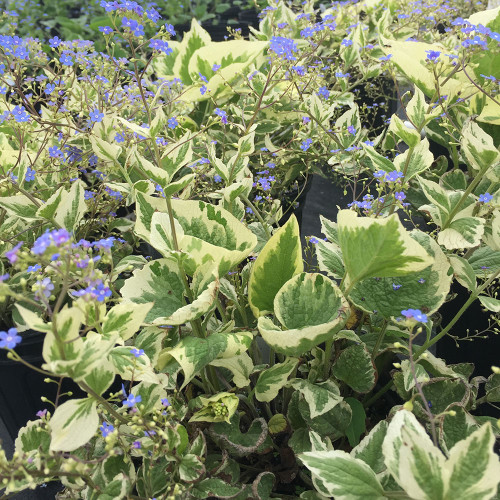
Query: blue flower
{"x": 399, "y": 195}
{"x": 222, "y": 114}
{"x": 416, "y": 314}
{"x": 19, "y": 114}
{"x": 9, "y": 339}
{"x": 132, "y": 400}
{"x": 216, "y": 67}
{"x": 106, "y": 30}
{"x": 203, "y": 89}
{"x": 106, "y": 429}
{"x": 351, "y": 129}
{"x": 55, "y": 42}
{"x": 217, "y": 178}
{"x": 306, "y": 144}
{"x": 66, "y": 59}
{"x": 485, "y": 198}
{"x": 284, "y": 48}
{"x": 137, "y": 352}
{"x": 346, "y": 42}
{"x": 96, "y": 115}
{"x": 433, "y": 55}
{"x": 385, "y": 58}
{"x": 172, "y": 122}
{"x": 396, "y": 287}
{"x": 30, "y": 175}
{"x": 323, "y": 92}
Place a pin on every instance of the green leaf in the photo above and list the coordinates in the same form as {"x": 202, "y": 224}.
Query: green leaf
{"x": 492, "y": 388}
{"x": 490, "y": 303}
{"x": 465, "y": 232}
{"x": 425, "y": 290}
{"x": 105, "y": 150}
{"x": 33, "y": 437}
{"x": 158, "y": 282}
{"x": 377, "y": 247}
{"x": 125, "y": 318}
{"x": 263, "y": 485}
{"x": 19, "y": 206}
{"x": 408, "y": 134}
{"x": 414, "y": 462}
{"x": 478, "y": 147}
{"x": 456, "y": 427}
{"x": 473, "y": 468}
{"x": 354, "y": 366}
{"x": 229, "y": 437}
{"x": 280, "y": 260}
{"x": 272, "y": 379}
{"x": 463, "y": 272}
{"x": 191, "y": 468}
{"x": 370, "y": 448}
{"x": 414, "y": 160}
{"x": 195, "y": 38}
{"x": 342, "y": 476}
{"x": 215, "y": 487}
{"x": 193, "y": 353}
{"x": 330, "y": 259}
{"x": 277, "y": 423}
{"x": 211, "y": 234}
{"x": 358, "y": 421}
{"x": 130, "y": 367}
{"x": 73, "y": 424}
{"x": 312, "y": 310}
{"x": 241, "y": 366}
{"x": 321, "y": 398}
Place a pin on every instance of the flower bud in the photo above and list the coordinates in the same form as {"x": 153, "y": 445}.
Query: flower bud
{"x": 408, "y": 405}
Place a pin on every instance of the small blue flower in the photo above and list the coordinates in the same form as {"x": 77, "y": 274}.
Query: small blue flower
{"x": 399, "y": 195}
{"x": 217, "y": 178}
{"x": 106, "y": 429}
{"x": 385, "y": 58}
{"x": 222, "y": 114}
{"x": 416, "y": 314}
{"x": 433, "y": 55}
{"x": 172, "y": 122}
{"x": 323, "y": 92}
{"x": 216, "y": 67}
{"x": 346, "y": 42}
{"x": 485, "y": 198}
{"x": 106, "y": 30}
{"x": 132, "y": 400}
{"x": 66, "y": 59}
{"x": 19, "y": 114}
{"x": 30, "y": 175}
{"x": 137, "y": 352}
{"x": 306, "y": 144}
{"x": 96, "y": 115}
{"x": 351, "y": 129}
{"x": 396, "y": 287}
{"x": 9, "y": 339}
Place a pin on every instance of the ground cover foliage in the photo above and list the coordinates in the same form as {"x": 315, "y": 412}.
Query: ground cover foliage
{"x": 147, "y": 236}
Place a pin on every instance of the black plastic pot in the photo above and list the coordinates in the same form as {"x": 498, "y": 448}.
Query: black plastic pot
{"x": 22, "y": 387}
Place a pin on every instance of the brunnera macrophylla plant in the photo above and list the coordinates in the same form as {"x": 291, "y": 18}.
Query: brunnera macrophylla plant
{"x": 222, "y": 365}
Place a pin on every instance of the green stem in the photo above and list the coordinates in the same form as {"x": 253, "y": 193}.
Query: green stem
{"x": 104, "y": 403}
{"x": 477, "y": 179}
{"x": 378, "y": 394}
{"x": 474, "y": 295}
{"x": 328, "y": 355}
{"x": 256, "y": 212}
{"x": 380, "y": 337}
